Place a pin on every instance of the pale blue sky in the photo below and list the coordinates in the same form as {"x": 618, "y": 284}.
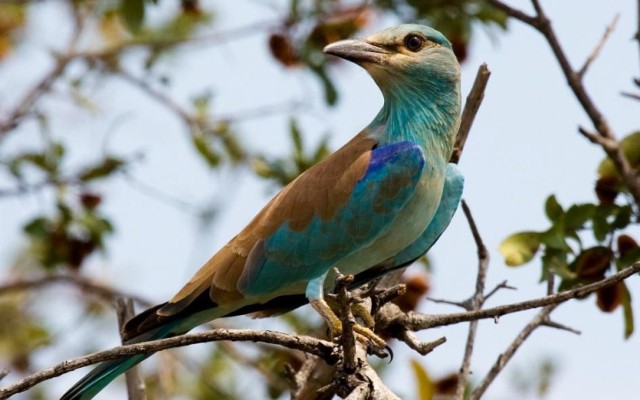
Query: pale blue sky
{"x": 524, "y": 146}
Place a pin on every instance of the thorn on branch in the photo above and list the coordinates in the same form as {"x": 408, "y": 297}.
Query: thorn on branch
{"x": 631, "y": 95}
{"x": 423, "y": 348}
{"x": 557, "y": 325}
{"x": 462, "y": 304}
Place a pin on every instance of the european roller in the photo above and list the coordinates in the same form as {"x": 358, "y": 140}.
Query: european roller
{"x": 376, "y": 204}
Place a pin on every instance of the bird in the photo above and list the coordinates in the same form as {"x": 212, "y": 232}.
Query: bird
{"x": 375, "y": 205}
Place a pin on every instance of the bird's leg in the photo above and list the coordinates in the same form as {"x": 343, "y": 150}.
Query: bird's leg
{"x": 315, "y": 294}
{"x": 359, "y": 310}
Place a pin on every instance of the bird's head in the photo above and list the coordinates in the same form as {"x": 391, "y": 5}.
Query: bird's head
{"x": 407, "y": 57}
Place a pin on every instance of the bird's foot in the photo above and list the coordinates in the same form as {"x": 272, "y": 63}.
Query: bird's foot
{"x": 362, "y": 333}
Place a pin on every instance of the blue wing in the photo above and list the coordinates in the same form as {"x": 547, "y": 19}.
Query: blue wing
{"x": 298, "y": 255}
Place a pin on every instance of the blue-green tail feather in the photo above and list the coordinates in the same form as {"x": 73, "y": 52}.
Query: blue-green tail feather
{"x": 106, "y": 372}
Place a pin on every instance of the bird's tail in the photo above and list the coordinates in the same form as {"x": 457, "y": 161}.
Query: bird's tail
{"x": 104, "y": 373}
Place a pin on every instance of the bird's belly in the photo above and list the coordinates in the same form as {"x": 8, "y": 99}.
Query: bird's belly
{"x": 409, "y": 224}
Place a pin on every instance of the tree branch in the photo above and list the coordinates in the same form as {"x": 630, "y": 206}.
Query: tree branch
{"x": 133, "y": 376}
{"x": 105, "y": 292}
{"x": 476, "y": 301}
{"x": 307, "y": 344}
{"x": 596, "y": 51}
{"x": 474, "y": 100}
{"x": 543, "y": 25}
{"x": 504, "y": 358}
{"x": 416, "y": 322}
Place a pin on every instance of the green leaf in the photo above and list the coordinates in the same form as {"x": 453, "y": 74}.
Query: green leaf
{"x": 202, "y": 146}
{"x": 330, "y": 92}
{"x": 623, "y": 217}
{"x": 555, "y": 261}
{"x": 426, "y": 388}
{"x": 555, "y": 237}
{"x": 132, "y": 12}
{"x": 553, "y": 209}
{"x": 601, "y": 227}
{"x": 101, "y": 170}
{"x": 578, "y": 214}
{"x": 627, "y": 311}
{"x": 630, "y": 146}
{"x": 37, "y": 227}
{"x": 520, "y": 247}
{"x": 296, "y": 136}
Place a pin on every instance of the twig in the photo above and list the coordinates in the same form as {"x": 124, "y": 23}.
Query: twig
{"x": 415, "y": 321}
{"x": 476, "y": 301}
{"x": 423, "y": 348}
{"x": 3, "y": 373}
{"x": 105, "y": 292}
{"x": 562, "y": 327}
{"x": 501, "y": 285}
{"x": 307, "y": 344}
{"x": 543, "y": 25}
{"x": 25, "y": 106}
{"x": 504, "y": 358}
{"x": 474, "y": 100}
{"x": 631, "y": 95}
{"x": 596, "y": 51}
{"x": 133, "y": 376}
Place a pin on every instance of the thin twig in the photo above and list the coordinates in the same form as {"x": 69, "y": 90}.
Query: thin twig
{"x": 476, "y": 301}
{"x": 25, "y": 106}
{"x": 512, "y": 12}
{"x": 562, "y": 327}
{"x": 415, "y": 321}
{"x": 631, "y": 95}
{"x": 307, "y": 344}
{"x": 474, "y": 100}
{"x": 86, "y": 285}
{"x": 596, "y": 51}
{"x": 504, "y": 358}
{"x": 133, "y": 376}
{"x": 501, "y": 285}
{"x": 423, "y": 348}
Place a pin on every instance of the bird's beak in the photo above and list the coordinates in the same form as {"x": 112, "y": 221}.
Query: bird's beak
{"x": 357, "y": 51}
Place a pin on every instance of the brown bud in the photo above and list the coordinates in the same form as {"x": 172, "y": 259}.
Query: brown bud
{"x": 626, "y": 244}
{"x": 610, "y": 297}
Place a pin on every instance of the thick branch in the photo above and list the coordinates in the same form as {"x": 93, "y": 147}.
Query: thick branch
{"x": 307, "y": 344}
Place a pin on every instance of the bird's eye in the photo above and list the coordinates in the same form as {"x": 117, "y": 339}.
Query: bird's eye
{"x": 413, "y": 42}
